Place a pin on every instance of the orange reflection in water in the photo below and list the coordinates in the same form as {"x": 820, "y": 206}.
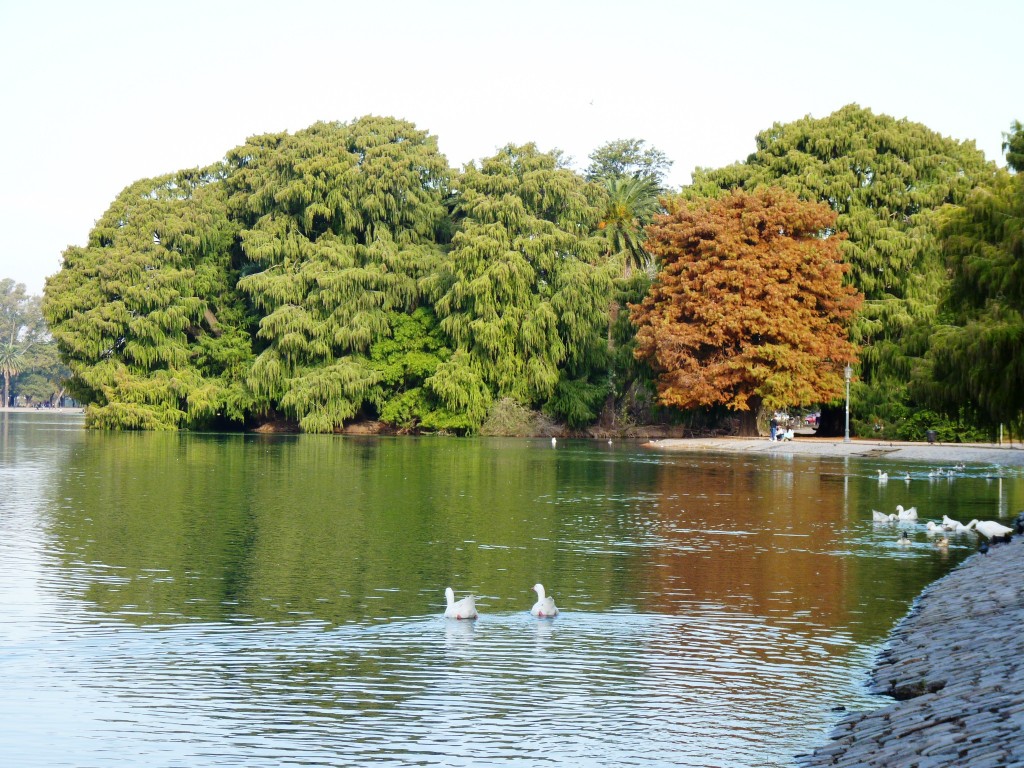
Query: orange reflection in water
{"x": 760, "y": 538}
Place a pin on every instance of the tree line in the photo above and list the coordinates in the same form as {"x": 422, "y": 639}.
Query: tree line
{"x": 30, "y": 365}
{"x": 346, "y": 272}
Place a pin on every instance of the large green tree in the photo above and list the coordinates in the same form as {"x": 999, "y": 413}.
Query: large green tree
{"x": 886, "y": 179}
{"x": 628, "y": 158}
{"x": 749, "y": 308}
{"x": 523, "y": 295}
{"x": 974, "y": 363}
{"x": 339, "y": 224}
{"x": 145, "y": 314}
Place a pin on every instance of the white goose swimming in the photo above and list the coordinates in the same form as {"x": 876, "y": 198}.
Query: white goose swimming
{"x": 463, "y": 609}
{"x": 881, "y": 517}
{"x": 883, "y": 477}
{"x": 544, "y": 608}
{"x": 906, "y": 514}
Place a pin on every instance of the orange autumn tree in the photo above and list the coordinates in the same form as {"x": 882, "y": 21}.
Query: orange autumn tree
{"x": 749, "y": 308}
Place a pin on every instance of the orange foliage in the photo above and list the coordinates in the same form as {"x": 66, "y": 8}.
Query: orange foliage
{"x": 749, "y": 306}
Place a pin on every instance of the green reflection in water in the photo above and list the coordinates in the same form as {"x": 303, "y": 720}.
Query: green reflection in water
{"x": 161, "y": 528}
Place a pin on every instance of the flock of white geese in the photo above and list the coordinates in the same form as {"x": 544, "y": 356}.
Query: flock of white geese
{"x": 990, "y": 529}
{"x": 545, "y": 607}
{"x": 465, "y": 608}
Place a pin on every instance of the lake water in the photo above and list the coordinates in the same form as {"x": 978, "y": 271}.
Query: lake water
{"x": 240, "y": 600}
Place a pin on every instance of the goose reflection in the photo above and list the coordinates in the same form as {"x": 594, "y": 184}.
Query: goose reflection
{"x": 459, "y": 634}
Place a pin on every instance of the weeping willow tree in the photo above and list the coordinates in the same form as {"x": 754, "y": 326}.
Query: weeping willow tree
{"x": 523, "y": 294}
{"x": 144, "y": 314}
{"x": 886, "y": 179}
{"x": 339, "y": 225}
{"x": 974, "y": 363}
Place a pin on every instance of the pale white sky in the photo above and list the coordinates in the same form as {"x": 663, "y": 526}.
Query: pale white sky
{"x": 98, "y": 94}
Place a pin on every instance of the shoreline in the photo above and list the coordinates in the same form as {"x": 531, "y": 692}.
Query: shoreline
{"x": 33, "y": 409}
{"x": 954, "y": 695}
{"x": 802, "y": 445}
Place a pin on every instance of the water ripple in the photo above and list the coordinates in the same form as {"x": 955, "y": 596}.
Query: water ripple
{"x": 604, "y": 689}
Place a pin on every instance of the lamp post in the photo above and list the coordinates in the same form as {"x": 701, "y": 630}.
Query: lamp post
{"x": 846, "y": 434}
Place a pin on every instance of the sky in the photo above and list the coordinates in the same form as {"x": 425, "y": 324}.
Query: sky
{"x": 96, "y": 95}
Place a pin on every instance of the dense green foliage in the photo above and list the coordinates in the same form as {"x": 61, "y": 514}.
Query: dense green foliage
{"x": 338, "y": 225}
{"x": 345, "y": 272}
{"x": 339, "y": 273}
{"x": 975, "y": 354}
{"x": 146, "y": 315}
{"x": 524, "y": 291}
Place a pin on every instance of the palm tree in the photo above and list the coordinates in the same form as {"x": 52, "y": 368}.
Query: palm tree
{"x": 632, "y": 203}
{"x": 12, "y": 355}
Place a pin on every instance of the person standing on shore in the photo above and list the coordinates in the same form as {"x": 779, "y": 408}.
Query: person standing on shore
{"x": 775, "y": 427}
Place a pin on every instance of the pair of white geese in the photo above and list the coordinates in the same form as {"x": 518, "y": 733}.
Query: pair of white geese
{"x": 900, "y": 514}
{"x": 465, "y": 608}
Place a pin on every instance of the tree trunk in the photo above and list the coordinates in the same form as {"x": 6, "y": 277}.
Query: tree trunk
{"x": 607, "y": 419}
{"x": 748, "y": 418}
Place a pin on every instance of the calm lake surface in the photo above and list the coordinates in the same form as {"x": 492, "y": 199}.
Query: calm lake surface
{"x": 240, "y": 600}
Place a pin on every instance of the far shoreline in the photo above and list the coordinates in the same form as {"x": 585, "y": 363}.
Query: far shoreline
{"x": 804, "y": 444}
{"x": 887, "y": 450}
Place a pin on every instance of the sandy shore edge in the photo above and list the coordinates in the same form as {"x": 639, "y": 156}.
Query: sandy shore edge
{"x": 936, "y": 453}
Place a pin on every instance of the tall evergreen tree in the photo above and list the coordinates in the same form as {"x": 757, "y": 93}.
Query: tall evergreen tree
{"x": 144, "y": 314}
{"x": 524, "y": 291}
{"x": 974, "y": 363}
{"x": 339, "y": 224}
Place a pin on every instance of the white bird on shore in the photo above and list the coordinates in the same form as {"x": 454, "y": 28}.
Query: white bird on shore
{"x": 990, "y": 529}
{"x": 906, "y": 514}
{"x": 463, "y": 609}
{"x": 545, "y": 607}
{"x": 881, "y": 517}
{"x": 883, "y": 477}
